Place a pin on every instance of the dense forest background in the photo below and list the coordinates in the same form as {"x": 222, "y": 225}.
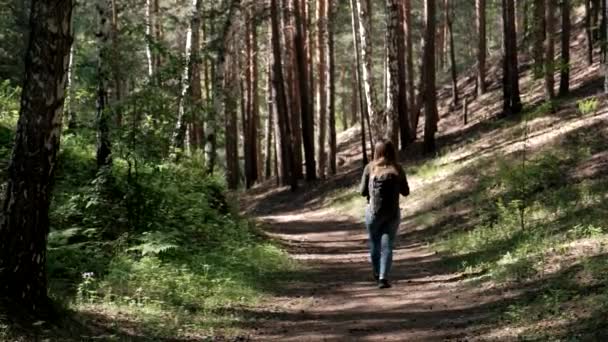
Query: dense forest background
{"x": 123, "y": 193}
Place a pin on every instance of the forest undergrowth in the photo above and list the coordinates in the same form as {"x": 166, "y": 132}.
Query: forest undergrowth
{"x": 149, "y": 250}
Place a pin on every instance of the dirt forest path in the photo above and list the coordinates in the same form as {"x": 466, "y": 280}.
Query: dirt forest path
{"x": 335, "y": 299}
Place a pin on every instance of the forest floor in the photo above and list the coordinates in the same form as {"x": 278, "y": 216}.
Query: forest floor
{"x": 335, "y": 299}
{"x": 464, "y": 269}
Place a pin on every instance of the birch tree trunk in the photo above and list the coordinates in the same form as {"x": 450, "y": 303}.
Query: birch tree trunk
{"x": 24, "y": 226}
{"x": 364, "y": 29}
{"x": 191, "y": 80}
{"x": 357, "y": 84}
{"x": 149, "y": 37}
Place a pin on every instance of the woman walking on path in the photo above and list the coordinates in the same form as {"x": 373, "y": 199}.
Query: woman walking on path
{"x": 382, "y": 182}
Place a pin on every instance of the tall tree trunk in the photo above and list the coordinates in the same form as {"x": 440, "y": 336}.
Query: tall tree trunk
{"x": 232, "y": 151}
{"x": 292, "y": 86}
{"x": 393, "y": 81}
{"x": 513, "y": 60}
{"x": 149, "y": 37}
{"x": 539, "y": 36}
{"x": 280, "y": 98}
{"x": 191, "y": 80}
{"x": 357, "y": 79}
{"x": 69, "y": 111}
{"x": 322, "y": 47}
{"x": 402, "y": 103}
{"x": 449, "y": 16}
{"x": 24, "y": 226}
{"x": 119, "y": 86}
{"x": 304, "y": 89}
{"x": 331, "y": 88}
{"x": 549, "y": 50}
{"x": 157, "y": 34}
{"x": 196, "y": 92}
{"x": 251, "y": 112}
{"x": 481, "y": 46}
{"x": 104, "y": 151}
{"x": 605, "y": 47}
{"x": 511, "y": 97}
{"x": 564, "y": 80}
{"x": 430, "y": 94}
{"x": 268, "y": 147}
{"x": 218, "y": 89}
{"x": 588, "y": 32}
{"x": 364, "y": 29}
{"x": 411, "y": 87}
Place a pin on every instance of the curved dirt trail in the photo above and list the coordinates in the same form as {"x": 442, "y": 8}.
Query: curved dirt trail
{"x": 334, "y": 298}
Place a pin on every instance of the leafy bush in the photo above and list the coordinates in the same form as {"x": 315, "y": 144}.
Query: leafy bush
{"x": 587, "y": 106}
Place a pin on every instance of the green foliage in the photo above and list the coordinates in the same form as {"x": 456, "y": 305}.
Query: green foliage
{"x": 587, "y": 106}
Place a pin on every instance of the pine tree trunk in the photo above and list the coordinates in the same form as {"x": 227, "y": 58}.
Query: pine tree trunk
{"x": 539, "y": 35}
{"x": 513, "y": 61}
{"x": 452, "y": 54}
{"x": 403, "y": 105}
{"x": 322, "y": 42}
{"x": 284, "y": 136}
{"x": 304, "y": 90}
{"x": 25, "y": 217}
{"x": 291, "y": 86}
{"x": 268, "y": 148}
{"x": 412, "y": 105}
{"x": 195, "y": 90}
{"x": 394, "y": 84}
{"x": 430, "y": 95}
{"x": 232, "y": 152}
{"x": 549, "y": 50}
{"x": 606, "y": 47}
{"x": 251, "y": 112}
{"x": 157, "y": 34}
{"x": 104, "y": 151}
{"x": 218, "y": 90}
{"x": 331, "y": 88}
{"x": 564, "y": 80}
{"x": 588, "y": 32}
{"x": 364, "y": 29}
{"x": 481, "y": 46}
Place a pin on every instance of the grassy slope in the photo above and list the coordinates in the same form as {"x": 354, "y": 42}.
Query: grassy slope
{"x": 519, "y": 206}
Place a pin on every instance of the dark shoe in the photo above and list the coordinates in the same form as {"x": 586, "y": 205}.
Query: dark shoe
{"x": 376, "y": 277}
{"x": 383, "y": 284}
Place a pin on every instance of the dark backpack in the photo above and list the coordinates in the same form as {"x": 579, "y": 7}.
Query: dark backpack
{"x": 384, "y": 193}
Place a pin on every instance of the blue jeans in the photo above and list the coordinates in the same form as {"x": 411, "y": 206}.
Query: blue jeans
{"x": 382, "y": 232}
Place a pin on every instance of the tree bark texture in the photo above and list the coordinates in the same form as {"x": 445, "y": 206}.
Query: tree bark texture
{"x": 480, "y": 6}
{"x": 323, "y": 73}
{"x": 393, "y": 81}
{"x": 25, "y": 217}
{"x": 331, "y": 88}
{"x": 104, "y": 151}
{"x": 430, "y": 94}
{"x": 564, "y": 79}
{"x": 357, "y": 83}
{"x": 449, "y": 18}
{"x": 550, "y": 50}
